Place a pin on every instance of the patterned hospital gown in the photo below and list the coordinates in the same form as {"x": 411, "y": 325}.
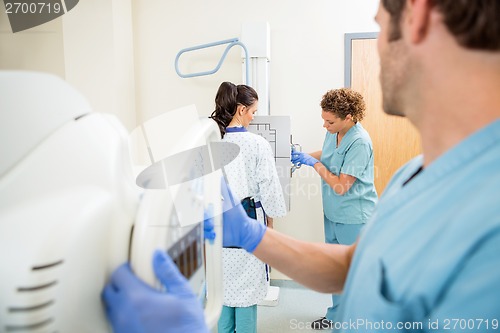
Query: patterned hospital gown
{"x": 251, "y": 174}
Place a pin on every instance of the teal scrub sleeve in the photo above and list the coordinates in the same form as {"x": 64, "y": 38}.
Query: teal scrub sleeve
{"x": 357, "y": 159}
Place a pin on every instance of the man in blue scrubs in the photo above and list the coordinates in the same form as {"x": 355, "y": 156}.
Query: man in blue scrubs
{"x": 429, "y": 258}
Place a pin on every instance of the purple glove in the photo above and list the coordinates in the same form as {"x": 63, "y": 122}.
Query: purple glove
{"x": 299, "y": 157}
{"x": 239, "y": 230}
{"x": 134, "y": 307}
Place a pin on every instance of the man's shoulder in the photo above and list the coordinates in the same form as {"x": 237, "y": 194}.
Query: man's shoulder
{"x": 407, "y": 170}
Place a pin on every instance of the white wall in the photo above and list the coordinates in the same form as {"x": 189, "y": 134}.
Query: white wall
{"x": 91, "y": 47}
{"x": 307, "y": 59}
{"x": 99, "y": 56}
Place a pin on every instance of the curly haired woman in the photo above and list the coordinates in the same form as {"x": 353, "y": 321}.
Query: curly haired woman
{"x": 345, "y": 165}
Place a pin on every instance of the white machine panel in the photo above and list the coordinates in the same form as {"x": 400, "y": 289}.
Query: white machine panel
{"x": 276, "y": 130}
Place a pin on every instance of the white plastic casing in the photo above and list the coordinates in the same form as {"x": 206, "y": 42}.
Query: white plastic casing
{"x": 66, "y": 211}
{"x": 68, "y": 202}
{"x": 171, "y": 212}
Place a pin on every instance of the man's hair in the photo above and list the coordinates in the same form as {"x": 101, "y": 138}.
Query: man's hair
{"x": 474, "y": 23}
{"x": 342, "y": 102}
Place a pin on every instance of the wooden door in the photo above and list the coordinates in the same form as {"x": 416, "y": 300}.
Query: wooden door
{"x": 395, "y": 139}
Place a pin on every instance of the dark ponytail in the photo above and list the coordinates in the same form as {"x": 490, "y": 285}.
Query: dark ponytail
{"x": 226, "y": 101}
{"x": 225, "y": 105}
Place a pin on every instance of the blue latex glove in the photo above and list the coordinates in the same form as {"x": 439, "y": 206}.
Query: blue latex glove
{"x": 299, "y": 157}
{"x": 239, "y": 229}
{"x": 134, "y": 307}
{"x": 208, "y": 224}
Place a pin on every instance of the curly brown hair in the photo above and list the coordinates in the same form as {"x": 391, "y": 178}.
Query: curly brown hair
{"x": 474, "y": 23}
{"x": 342, "y": 102}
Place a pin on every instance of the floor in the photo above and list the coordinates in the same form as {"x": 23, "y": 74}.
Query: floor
{"x": 297, "y": 308}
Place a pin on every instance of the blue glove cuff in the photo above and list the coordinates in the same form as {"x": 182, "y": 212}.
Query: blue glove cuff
{"x": 253, "y": 235}
{"x": 313, "y": 161}
{"x": 303, "y": 158}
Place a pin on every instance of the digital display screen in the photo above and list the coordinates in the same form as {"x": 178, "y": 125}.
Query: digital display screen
{"x": 187, "y": 252}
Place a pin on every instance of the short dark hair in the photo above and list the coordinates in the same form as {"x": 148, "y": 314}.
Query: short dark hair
{"x": 474, "y": 23}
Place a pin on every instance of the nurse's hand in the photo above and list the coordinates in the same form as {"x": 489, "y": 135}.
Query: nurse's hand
{"x": 239, "y": 230}
{"x": 133, "y": 307}
{"x": 299, "y": 157}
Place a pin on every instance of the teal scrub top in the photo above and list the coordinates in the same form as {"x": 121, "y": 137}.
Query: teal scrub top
{"x": 429, "y": 258}
{"x": 354, "y": 156}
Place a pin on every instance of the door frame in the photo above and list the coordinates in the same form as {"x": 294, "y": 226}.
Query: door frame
{"x": 348, "y": 38}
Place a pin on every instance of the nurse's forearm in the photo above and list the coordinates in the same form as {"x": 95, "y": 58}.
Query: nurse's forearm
{"x": 316, "y": 154}
{"x": 340, "y": 184}
{"x": 319, "y": 266}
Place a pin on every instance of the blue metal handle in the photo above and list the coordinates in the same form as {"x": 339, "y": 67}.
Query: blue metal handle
{"x": 231, "y": 42}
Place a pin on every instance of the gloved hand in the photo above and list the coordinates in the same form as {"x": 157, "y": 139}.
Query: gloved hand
{"x": 299, "y": 157}
{"x": 134, "y": 307}
{"x": 239, "y": 229}
{"x": 208, "y": 224}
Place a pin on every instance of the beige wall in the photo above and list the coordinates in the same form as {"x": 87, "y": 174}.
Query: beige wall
{"x": 91, "y": 47}
{"x": 40, "y": 48}
{"x": 120, "y": 54}
{"x": 98, "y": 46}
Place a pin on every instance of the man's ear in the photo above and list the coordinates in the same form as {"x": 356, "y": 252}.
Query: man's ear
{"x": 418, "y": 19}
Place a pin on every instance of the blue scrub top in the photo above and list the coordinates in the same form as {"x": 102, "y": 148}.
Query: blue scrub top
{"x": 430, "y": 255}
{"x": 354, "y": 156}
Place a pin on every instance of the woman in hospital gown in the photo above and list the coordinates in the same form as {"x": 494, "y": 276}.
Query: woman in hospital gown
{"x": 251, "y": 174}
